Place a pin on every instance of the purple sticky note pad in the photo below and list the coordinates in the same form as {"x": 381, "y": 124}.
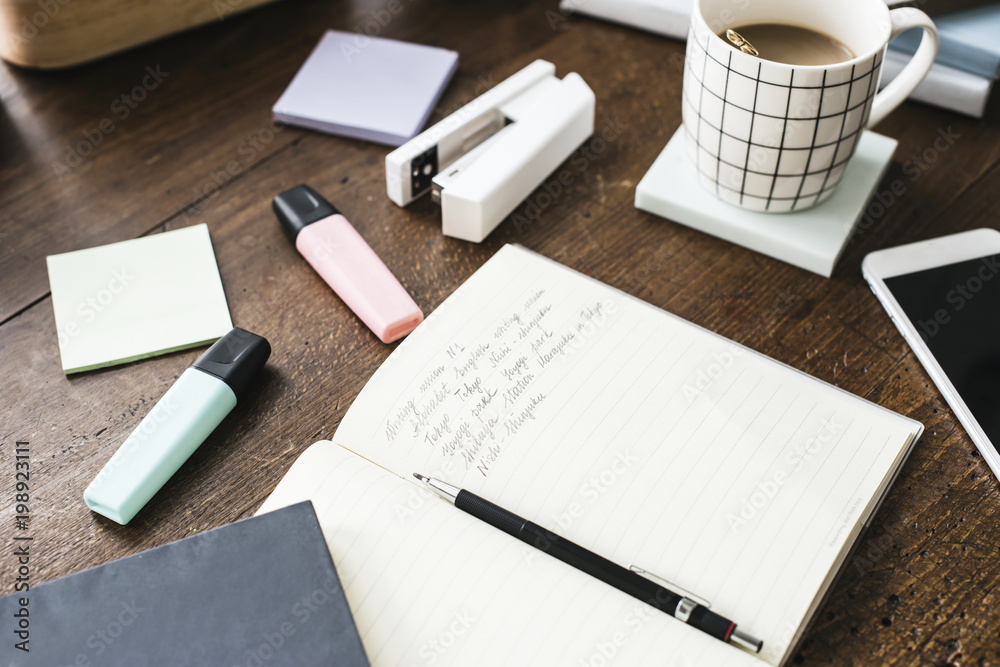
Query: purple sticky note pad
{"x": 369, "y": 88}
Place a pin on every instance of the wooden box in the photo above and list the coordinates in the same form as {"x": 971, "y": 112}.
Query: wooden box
{"x": 59, "y": 33}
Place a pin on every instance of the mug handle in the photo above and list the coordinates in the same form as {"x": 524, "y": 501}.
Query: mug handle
{"x": 893, "y": 95}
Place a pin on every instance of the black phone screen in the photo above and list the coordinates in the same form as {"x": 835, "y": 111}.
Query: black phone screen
{"x": 956, "y": 311}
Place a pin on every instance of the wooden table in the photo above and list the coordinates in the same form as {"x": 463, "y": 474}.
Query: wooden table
{"x": 196, "y": 144}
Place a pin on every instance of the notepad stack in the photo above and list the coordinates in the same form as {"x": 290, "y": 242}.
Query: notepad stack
{"x": 967, "y": 65}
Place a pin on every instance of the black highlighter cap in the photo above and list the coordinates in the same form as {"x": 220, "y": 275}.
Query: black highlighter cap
{"x": 299, "y": 207}
{"x": 236, "y": 359}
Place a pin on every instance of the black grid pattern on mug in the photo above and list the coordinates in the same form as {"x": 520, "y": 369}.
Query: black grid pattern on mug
{"x": 794, "y": 176}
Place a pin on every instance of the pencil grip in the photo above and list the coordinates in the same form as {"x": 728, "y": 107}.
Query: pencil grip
{"x": 599, "y": 567}
{"x": 486, "y": 511}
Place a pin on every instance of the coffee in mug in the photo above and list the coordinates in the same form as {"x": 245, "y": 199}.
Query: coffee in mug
{"x": 793, "y": 45}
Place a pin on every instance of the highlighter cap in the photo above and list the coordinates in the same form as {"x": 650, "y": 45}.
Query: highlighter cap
{"x": 299, "y": 207}
{"x": 236, "y": 359}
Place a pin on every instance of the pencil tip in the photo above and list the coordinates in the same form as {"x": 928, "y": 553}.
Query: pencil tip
{"x": 420, "y": 477}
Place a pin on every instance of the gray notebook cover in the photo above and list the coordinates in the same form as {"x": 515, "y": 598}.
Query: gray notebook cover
{"x": 370, "y": 88}
{"x": 261, "y": 592}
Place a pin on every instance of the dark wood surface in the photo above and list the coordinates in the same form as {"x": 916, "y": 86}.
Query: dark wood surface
{"x": 923, "y": 587}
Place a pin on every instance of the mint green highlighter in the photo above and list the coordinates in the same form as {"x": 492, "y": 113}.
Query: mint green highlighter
{"x": 177, "y": 425}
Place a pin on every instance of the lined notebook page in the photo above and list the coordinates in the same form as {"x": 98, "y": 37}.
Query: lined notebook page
{"x": 636, "y": 434}
{"x": 430, "y": 585}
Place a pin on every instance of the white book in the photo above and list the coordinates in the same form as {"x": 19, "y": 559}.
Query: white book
{"x": 944, "y": 87}
{"x": 619, "y": 426}
{"x": 666, "y": 17}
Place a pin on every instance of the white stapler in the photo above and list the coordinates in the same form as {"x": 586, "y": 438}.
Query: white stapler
{"x": 483, "y": 160}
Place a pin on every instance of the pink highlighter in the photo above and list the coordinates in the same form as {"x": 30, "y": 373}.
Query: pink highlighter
{"x": 347, "y": 263}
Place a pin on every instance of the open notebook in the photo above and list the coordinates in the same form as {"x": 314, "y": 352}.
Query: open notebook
{"x": 623, "y": 428}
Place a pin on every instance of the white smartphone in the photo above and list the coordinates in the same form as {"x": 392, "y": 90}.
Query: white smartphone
{"x": 944, "y": 297}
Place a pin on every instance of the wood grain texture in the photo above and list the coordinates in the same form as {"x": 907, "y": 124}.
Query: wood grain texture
{"x": 922, "y": 586}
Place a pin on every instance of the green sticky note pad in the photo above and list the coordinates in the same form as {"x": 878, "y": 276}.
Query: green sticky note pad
{"x": 137, "y": 299}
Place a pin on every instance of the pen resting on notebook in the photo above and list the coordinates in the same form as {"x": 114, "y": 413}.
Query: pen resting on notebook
{"x": 682, "y": 608}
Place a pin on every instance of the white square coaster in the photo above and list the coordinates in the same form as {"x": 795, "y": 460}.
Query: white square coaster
{"x": 136, "y": 299}
{"x": 370, "y": 88}
{"x": 812, "y": 239}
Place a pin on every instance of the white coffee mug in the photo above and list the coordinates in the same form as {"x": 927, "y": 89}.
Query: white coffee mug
{"x": 768, "y": 136}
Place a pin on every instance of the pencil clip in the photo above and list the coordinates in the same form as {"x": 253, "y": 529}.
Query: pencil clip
{"x": 670, "y": 585}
